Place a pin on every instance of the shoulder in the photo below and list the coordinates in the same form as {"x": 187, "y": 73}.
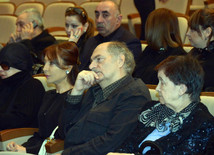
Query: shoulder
{"x": 34, "y": 84}
{"x": 133, "y": 87}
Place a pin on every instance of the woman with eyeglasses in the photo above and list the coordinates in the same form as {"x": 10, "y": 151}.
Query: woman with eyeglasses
{"x": 79, "y": 27}
{"x": 61, "y": 69}
{"x": 20, "y": 93}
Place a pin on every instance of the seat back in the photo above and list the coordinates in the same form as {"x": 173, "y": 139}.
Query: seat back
{"x": 54, "y": 14}
{"x": 180, "y": 6}
{"x": 183, "y": 26}
{"x": 153, "y": 92}
{"x": 46, "y": 2}
{"x": 127, "y": 7}
{"x": 90, "y": 8}
{"x": 17, "y": 2}
{"x": 8, "y": 26}
{"x": 7, "y": 8}
{"x": 37, "y": 5}
{"x": 207, "y": 98}
{"x": 43, "y": 80}
{"x": 18, "y": 135}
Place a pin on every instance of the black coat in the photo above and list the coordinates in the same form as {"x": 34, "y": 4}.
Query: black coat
{"x": 206, "y": 57}
{"x": 20, "y": 100}
{"x": 49, "y": 117}
{"x": 120, "y": 34}
{"x": 94, "y": 131}
{"x": 191, "y": 138}
{"x": 149, "y": 58}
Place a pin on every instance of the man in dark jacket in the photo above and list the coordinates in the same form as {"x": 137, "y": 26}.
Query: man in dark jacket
{"x": 108, "y": 22}
{"x": 100, "y": 120}
{"x": 30, "y": 31}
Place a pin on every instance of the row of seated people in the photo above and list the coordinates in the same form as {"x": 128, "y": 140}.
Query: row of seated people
{"x": 106, "y": 117}
{"x": 91, "y": 111}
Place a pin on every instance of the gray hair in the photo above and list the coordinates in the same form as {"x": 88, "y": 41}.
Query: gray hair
{"x": 115, "y": 48}
{"x": 34, "y": 15}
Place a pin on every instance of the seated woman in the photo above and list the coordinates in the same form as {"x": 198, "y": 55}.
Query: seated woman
{"x": 200, "y": 34}
{"x": 61, "y": 69}
{"x": 178, "y": 122}
{"x": 79, "y": 27}
{"x": 20, "y": 94}
{"x": 163, "y": 38}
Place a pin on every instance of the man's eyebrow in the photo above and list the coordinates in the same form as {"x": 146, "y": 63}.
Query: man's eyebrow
{"x": 95, "y": 57}
{"x": 105, "y": 11}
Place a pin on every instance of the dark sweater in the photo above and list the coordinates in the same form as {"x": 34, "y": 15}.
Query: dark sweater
{"x": 149, "y": 59}
{"x": 206, "y": 57}
{"x": 49, "y": 117}
{"x": 20, "y": 100}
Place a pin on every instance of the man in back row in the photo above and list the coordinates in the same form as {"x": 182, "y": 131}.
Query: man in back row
{"x": 108, "y": 22}
{"x": 98, "y": 121}
{"x": 30, "y": 32}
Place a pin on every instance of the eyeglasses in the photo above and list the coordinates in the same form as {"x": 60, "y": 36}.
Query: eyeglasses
{"x": 4, "y": 66}
{"x": 79, "y": 11}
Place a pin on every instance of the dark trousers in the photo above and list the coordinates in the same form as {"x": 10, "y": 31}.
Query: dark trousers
{"x": 144, "y": 7}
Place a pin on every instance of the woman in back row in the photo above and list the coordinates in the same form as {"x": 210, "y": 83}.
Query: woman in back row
{"x": 201, "y": 37}
{"x": 163, "y": 38}
{"x": 79, "y": 27}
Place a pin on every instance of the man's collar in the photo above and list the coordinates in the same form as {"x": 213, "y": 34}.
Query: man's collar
{"x": 110, "y": 35}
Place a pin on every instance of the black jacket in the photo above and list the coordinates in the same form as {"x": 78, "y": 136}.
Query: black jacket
{"x": 120, "y": 34}
{"x": 192, "y": 138}
{"x": 20, "y": 100}
{"x": 101, "y": 129}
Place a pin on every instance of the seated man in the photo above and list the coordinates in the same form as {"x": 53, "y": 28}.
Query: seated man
{"x": 101, "y": 119}
{"x": 30, "y": 31}
{"x": 108, "y": 23}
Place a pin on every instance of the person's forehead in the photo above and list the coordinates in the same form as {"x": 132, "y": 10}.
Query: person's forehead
{"x": 106, "y": 7}
{"x": 72, "y": 19}
{"x": 100, "y": 50}
{"x": 23, "y": 18}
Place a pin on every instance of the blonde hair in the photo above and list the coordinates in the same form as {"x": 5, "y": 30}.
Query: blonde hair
{"x": 162, "y": 29}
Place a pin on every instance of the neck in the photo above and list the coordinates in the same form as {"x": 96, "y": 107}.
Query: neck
{"x": 63, "y": 86}
{"x": 105, "y": 83}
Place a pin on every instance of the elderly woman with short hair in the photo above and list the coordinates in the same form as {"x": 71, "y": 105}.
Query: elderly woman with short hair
{"x": 178, "y": 122}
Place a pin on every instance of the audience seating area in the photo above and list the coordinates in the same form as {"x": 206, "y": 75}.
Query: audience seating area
{"x": 53, "y": 13}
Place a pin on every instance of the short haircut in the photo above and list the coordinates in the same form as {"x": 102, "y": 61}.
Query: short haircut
{"x": 184, "y": 70}
{"x": 117, "y": 7}
{"x": 34, "y": 15}
{"x": 162, "y": 29}
{"x": 115, "y": 48}
{"x": 69, "y": 54}
{"x": 203, "y": 18}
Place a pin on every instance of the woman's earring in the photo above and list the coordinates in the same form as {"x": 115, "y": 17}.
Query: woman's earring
{"x": 67, "y": 72}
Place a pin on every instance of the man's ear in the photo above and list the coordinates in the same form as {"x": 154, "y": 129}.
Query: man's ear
{"x": 207, "y": 32}
{"x": 183, "y": 89}
{"x": 121, "y": 60}
{"x": 119, "y": 18}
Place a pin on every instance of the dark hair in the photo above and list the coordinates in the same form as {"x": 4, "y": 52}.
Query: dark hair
{"x": 184, "y": 70}
{"x": 203, "y": 18}
{"x": 162, "y": 29}
{"x": 69, "y": 53}
{"x": 83, "y": 18}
